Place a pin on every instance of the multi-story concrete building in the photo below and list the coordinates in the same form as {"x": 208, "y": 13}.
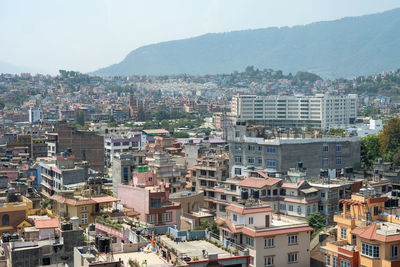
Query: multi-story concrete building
{"x": 85, "y": 201}
{"x": 319, "y": 111}
{"x": 38, "y": 148}
{"x": 168, "y": 171}
{"x": 84, "y": 145}
{"x": 209, "y": 170}
{"x": 150, "y": 200}
{"x": 272, "y": 240}
{"x": 59, "y": 171}
{"x": 225, "y": 192}
{"x": 123, "y": 143}
{"x": 35, "y": 115}
{"x": 252, "y": 147}
{"x": 192, "y": 213}
{"x": 123, "y": 164}
{"x": 56, "y": 249}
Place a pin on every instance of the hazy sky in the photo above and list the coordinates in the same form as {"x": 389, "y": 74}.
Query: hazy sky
{"x": 85, "y": 35}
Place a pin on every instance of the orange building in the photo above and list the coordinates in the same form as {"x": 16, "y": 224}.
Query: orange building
{"x": 366, "y": 234}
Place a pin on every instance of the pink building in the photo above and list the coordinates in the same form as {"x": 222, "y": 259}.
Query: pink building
{"x": 46, "y": 227}
{"x": 142, "y": 179}
{"x": 150, "y": 200}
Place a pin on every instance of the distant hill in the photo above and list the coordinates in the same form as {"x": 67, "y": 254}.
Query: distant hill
{"x": 341, "y": 48}
{"x": 12, "y": 69}
{"x": 9, "y": 68}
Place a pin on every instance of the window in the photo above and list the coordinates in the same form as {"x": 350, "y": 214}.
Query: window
{"x": 322, "y": 194}
{"x": 238, "y": 146}
{"x": 249, "y": 241}
{"x": 84, "y": 208}
{"x": 151, "y": 218}
{"x": 251, "y": 220}
{"x": 376, "y": 211}
{"x": 237, "y": 133}
{"x": 292, "y": 257}
{"x": 6, "y": 219}
{"x": 325, "y": 148}
{"x": 334, "y": 261}
{"x": 394, "y": 252}
{"x": 292, "y": 239}
{"x": 252, "y": 147}
{"x": 344, "y": 263}
{"x": 259, "y": 148}
{"x": 238, "y": 159}
{"x": 328, "y": 260}
{"x": 259, "y": 160}
{"x": 269, "y": 242}
{"x": 223, "y": 197}
{"x": 338, "y": 160}
{"x": 84, "y": 218}
{"x": 271, "y": 163}
{"x": 325, "y": 162}
{"x": 290, "y": 207}
{"x": 370, "y": 250}
{"x": 234, "y": 217}
{"x": 155, "y": 203}
{"x": 238, "y": 171}
{"x": 338, "y": 147}
{"x": 298, "y": 209}
{"x": 167, "y": 217}
{"x": 126, "y": 175}
{"x": 271, "y": 149}
{"x": 269, "y": 261}
{"x": 343, "y": 233}
{"x": 250, "y": 160}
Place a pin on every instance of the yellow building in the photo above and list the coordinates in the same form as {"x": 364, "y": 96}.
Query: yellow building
{"x": 85, "y": 208}
{"x": 365, "y": 236}
{"x": 13, "y": 211}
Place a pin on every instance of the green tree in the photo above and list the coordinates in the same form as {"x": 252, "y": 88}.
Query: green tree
{"x": 336, "y": 132}
{"x": 370, "y": 150}
{"x": 316, "y": 221}
{"x": 206, "y": 131}
{"x": 396, "y": 159}
{"x": 180, "y": 135}
{"x": 389, "y": 139}
{"x": 2, "y": 104}
{"x": 44, "y": 203}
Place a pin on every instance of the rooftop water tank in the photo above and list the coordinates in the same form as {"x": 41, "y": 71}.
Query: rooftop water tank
{"x": 75, "y": 223}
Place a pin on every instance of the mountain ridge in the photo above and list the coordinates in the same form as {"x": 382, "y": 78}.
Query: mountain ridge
{"x": 345, "y": 47}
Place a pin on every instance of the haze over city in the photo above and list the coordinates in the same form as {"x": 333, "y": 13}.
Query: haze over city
{"x": 200, "y": 133}
{"x": 45, "y": 36}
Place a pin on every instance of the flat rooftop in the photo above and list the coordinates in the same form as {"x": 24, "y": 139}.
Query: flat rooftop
{"x": 195, "y": 248}
{"x": 152, "y": 258}
{"x": 388, "y": 228}
{"x": 281, "y": 220}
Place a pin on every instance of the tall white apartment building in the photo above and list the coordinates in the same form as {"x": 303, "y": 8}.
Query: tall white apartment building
{"x": 35, "y": 115}
{"x": 318, "y": 111}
